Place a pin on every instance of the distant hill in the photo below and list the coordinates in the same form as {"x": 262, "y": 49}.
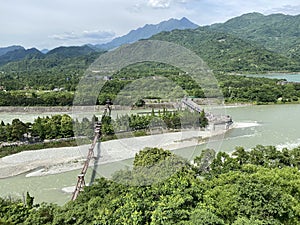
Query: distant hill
{"x": 72, "y": 51}
{"x": 147, "y": 31}
{"x": 228, "y": 53}
{"x": 45, "y": 51}
{"x": 20, "y": 54}
{"x": 5, "y": 50}
{"x": 45, "y": 72}
{"x": 276, "y": 32}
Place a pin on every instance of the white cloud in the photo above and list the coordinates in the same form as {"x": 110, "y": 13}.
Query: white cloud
{"x": 165, "y": 3}
{"x": 94, "y": 35}
{"x": 159, "y": 3}
{"x": 286, "y": 9}
{"x": 65, "y": 36}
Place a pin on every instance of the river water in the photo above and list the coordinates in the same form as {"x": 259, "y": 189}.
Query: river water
{"x": 289, "y": 77}
{"x": 276, "y": 125}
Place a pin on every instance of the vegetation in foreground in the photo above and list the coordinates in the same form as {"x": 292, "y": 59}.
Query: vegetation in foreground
{"x": 254, "y": 187}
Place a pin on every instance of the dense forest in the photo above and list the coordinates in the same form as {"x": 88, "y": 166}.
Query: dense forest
{"x": 255, "y": 187}
{"x": 173, "y": 84}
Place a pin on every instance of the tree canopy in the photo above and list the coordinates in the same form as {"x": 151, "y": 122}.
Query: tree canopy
{"x": 260, "y": 186}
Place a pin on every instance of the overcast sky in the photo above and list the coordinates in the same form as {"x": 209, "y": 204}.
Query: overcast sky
{"x": 51, "y": 23}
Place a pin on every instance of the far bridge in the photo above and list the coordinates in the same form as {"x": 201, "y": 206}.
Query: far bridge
{"x": 212, "y": 119}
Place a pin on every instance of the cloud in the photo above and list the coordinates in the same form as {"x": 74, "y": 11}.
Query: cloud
{"x": 165, "y": 3}
{"x": 65, "y": 36}
{"x": 159, "y": 3}
{"x": 287, "y": 9}
{"x": 94, "y": 35}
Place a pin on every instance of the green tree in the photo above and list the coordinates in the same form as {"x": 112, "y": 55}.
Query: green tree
{"x": 3, "y": 136}
{"x": 66, "y": 125}
{"x": 17, "y": 130}
{"x": 203, "y": 121}
{"x": 204, "y": 217}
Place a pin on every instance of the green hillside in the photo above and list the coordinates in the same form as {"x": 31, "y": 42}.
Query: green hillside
{"x": 45, "y": 73}
{"x": 20, "y": 54}
{"x": 72, "y": 51}
{"x": 227, "y": 53}
{"x": 276, "y": 32}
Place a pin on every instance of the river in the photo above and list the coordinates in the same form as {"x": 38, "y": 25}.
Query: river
{"x": 295, "y": 77}
{"x": 262, "y": 124}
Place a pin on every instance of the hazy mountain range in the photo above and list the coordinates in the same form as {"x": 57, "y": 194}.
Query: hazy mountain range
{"x": 17, "y": 53}
{"x": 147, "y": 31}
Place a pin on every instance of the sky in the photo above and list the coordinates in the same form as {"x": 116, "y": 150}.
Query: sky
{"x": 51, "y": 23}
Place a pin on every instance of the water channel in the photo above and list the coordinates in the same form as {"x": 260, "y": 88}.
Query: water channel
{"x": 295, "y": 77}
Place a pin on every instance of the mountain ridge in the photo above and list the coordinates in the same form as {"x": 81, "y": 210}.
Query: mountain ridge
{"x": 276, "y": 32}
{"x": 225, "y": 52}
{"x": 20, "y": 54}
{"x": 147, "y": 31}
{"x": 10, "y": 55}
{"x": 7, "y": 49}
{"x": 71, "y": 51}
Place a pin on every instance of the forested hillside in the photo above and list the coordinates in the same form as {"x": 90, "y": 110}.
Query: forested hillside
{"x": 45, "y": 73}
{"x": 72, "y": 51}
{"x": 277, "y": 32}
{"x": 225, "y": 52}
{"x": 19, "y": 54}
{"x": 5, "y": 50}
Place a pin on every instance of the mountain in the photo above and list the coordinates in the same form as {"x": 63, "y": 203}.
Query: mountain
{"x": 45, "y": 50}
{"x": 147, "y": 31}
{"x": 46, "y": 71}
{"x": 20, "y": 54}
{"x": 224, "y": 52}
{"x": 72, "y": 51}
{"x": 276, "y": 32}
{"x": 5, "y": 50}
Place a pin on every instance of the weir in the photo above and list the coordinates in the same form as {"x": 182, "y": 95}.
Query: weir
{"x": 212, "y": 119}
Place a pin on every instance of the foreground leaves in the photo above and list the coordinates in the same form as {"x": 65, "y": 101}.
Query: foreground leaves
{"x": 261, "y": 186}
